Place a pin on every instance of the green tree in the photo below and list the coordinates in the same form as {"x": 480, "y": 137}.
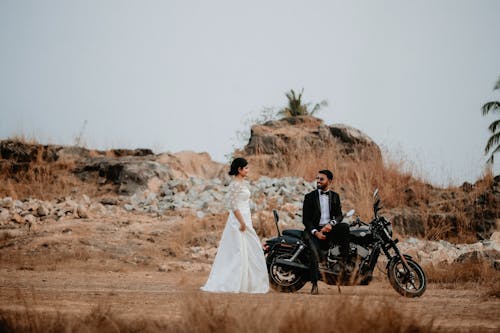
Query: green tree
{"x": 296, "y": 108}
{"x": 493, "y": 142}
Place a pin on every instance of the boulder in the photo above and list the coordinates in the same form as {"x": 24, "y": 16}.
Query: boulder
{"x": 42, "y": 210}
{"x": 129, "y": 174}
{"x": 281, "y": 146}
{"x": 408, "y": 222}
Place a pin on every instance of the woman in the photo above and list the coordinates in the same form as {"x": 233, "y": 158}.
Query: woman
{"x": 239, "y": 265}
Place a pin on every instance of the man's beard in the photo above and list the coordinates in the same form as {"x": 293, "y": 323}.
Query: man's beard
{"x": 319, "y": 187}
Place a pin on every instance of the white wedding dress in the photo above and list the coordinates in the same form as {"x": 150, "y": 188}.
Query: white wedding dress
{"x": 239, "y": 264}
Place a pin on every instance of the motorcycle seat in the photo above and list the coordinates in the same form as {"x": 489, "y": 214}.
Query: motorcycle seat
{"x": 293, "y": 232}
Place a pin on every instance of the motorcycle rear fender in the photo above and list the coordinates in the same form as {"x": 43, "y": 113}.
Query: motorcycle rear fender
{"x": 281, "y": 245}
{"x": 285, "y": 239}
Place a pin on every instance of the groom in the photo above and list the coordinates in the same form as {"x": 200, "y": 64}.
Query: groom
{"x": 321, "y": 206}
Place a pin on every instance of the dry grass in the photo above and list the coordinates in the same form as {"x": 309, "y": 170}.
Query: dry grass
{"x": 208, "y": 313}
{"x": 356, "y": 177}
{"x": 472, "y": 274}
{"x": 192, "y": 231}
{"x": 456, "y": 227}
{"x": 445, "y": 213}
{"x": 38, "y": 178}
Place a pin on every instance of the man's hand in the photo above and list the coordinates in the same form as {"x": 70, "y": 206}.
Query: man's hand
{"x": 327, "y": 228}
{"x": 320, "y": 235}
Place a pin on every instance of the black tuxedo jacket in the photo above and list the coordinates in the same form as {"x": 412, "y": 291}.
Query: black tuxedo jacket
{"x": 311, "y": 211}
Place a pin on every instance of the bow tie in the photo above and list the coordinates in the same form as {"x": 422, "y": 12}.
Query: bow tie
{"x": 324, "y": 192}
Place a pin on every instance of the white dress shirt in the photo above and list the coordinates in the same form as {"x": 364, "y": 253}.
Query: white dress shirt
{"x": 324, "y": 204}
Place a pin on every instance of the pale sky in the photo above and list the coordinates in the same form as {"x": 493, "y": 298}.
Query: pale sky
{"x": 184, "y": 75}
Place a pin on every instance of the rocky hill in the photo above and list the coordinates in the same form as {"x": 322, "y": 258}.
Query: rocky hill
{"x": 282, "y": 147}
{"x": 41, "y": 182}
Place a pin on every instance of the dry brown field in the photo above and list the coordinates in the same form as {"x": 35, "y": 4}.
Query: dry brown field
{"x": 130, "y": 274}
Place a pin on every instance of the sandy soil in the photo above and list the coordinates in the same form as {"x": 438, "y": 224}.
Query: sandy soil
{"x": 159, "y": 296}
{"x": 125, "y": 264}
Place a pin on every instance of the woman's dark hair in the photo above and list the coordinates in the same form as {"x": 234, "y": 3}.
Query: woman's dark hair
{"x": 327, "y": 173}
{"x": 237, "y": 163}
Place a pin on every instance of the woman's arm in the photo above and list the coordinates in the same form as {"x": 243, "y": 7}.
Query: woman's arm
{"x": 240, "y": 219}
{"x": 233, "y": 197}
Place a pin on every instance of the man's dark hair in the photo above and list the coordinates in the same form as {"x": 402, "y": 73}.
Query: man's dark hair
{"x": 237, "y": 163}
{"x": 327, "y": 173}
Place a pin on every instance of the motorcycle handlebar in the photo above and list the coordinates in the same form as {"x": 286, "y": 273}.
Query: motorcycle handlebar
{"x": 358, "y": 222}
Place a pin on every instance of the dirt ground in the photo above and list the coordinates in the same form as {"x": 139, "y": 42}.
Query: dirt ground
{"x": 159, "y": 296}
{"x": 97, "y": 264}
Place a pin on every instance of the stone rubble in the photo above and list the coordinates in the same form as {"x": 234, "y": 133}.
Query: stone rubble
{"x": 208, "y": 196}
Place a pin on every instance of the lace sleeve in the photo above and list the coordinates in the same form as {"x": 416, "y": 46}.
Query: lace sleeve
{"x": 233, "y": 195}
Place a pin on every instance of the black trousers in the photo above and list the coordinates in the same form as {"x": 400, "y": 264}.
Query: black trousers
{"x": 338, "y": 235}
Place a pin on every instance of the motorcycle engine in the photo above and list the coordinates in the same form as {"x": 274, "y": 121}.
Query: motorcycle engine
{"x": 355, "y": 251}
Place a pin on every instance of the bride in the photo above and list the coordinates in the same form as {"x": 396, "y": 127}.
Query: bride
{"x": 239, "y": 265}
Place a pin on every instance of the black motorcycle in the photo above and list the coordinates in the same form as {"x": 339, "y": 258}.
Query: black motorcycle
{"x": 288, "y": 258}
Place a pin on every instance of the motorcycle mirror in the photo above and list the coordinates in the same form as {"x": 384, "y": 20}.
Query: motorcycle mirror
{"x": 350, "y": 213}
{"x": 276, "y": 216}
{"x": 276, "y": 219}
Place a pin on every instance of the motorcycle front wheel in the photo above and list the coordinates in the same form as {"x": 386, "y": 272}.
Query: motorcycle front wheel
{"x": 410, "y": 283}
{"x": 284, "y": 278}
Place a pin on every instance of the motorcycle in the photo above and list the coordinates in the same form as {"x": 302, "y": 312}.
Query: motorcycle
{"x": 288, "y": 257}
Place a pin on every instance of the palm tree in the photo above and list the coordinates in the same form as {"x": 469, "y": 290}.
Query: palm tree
{"x": 296, "y": 108}
{"x": 493, "y": 106}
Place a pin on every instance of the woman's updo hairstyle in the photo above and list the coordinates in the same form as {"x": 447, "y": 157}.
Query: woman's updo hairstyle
{"x": 237, "y": 163}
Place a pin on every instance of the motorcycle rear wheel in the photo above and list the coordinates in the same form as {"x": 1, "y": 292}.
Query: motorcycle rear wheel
{"x": 286, "y": 279}
{"x": 410, "y": 284}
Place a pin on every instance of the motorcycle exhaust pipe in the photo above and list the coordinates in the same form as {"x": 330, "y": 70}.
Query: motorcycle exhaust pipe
{"x": 289, "y": 263}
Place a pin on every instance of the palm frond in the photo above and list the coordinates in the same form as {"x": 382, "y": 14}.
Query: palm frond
{"x": 492, "y": 141}
{"x": 492, "y": 156}
{"x": 295, "y": 107}
{"x": 497, "y": 85}
{"x": 285, "y": 112}
{"x": 492, "y": 106}
{"x": 494, "y": 125}
{"x": 318, "y": 106}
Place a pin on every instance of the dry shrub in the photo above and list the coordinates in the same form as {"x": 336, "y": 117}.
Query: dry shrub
{"x": 226, "y": 313}
{"x": 456, "y": 227}
{"x": 263, "y": 221}
{"x": 356, "y": 177}
{"x": 263, "y": 224}
{"x": 30, "y": 320}
{"x": 472, "y": 273}
{"x": 38, "y": 178}
{"x": 193, "y": 231}
{"x": 101, "y": 319}
{"x": 223, "y": 313}
{"x": 39, "y": 175}
{"x": 446, "y": 213}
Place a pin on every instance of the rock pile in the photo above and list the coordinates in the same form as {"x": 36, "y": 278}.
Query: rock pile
{"x": 207, "y": 196}
{"x": 17, "y": 213}
{"x": 437, "y": 252}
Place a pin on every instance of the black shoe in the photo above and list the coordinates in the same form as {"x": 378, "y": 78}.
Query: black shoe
{"x": 314, "y": 290}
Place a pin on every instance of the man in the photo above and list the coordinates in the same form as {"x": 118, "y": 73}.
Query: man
{"x": 321, "y": 206}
